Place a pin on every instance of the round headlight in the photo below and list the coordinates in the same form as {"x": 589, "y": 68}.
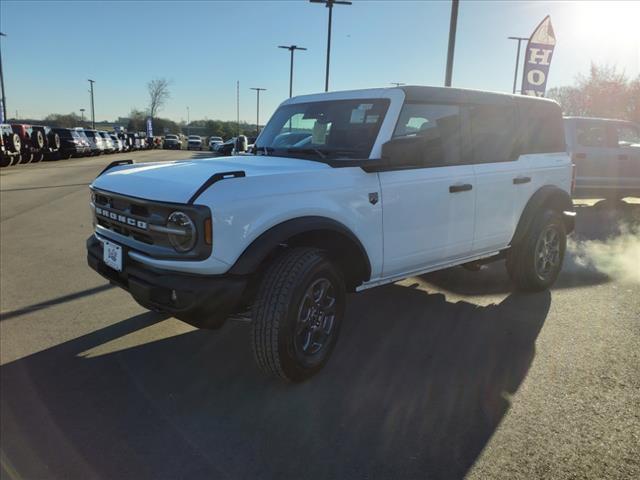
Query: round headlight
{"x": 183, "y": 238}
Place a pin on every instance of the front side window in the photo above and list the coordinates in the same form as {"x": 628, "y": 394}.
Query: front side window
{"x": 627, "y": 136}
{"x": 324, "y": 130}
{"x": 438, "y": 127}
{"x": 494, "y": 133}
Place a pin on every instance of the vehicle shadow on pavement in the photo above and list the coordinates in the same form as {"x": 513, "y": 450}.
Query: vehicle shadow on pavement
{"x": 415, "y": 389}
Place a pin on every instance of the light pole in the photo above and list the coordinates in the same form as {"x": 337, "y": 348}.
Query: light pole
{"x": 188, "y": 123}
{"x": 258, "y": 90}
{"x": 291, "y": 48}
{"x": 329, "y": 4}
{"x": 453, "y": 23}
{"x": 82, "y": 116}
{"x": 4, "y": 98}
{"x": 93, "y": 111}
{"x": 515, "y": 75}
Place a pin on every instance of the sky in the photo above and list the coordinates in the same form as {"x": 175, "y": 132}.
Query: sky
{"x": 204, "y": 47}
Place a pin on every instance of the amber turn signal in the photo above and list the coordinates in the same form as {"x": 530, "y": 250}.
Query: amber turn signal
{"x": 208, "y": 232}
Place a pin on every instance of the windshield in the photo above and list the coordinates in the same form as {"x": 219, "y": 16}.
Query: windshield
{"x": 330, "y": 129}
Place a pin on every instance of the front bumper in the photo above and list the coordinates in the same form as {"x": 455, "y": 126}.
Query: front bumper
{"x": 202, "y": 301}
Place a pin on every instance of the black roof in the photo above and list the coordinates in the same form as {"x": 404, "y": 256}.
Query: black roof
{"x": 449, "y": 94}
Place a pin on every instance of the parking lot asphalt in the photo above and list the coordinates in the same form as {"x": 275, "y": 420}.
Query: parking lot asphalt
{"x": 441, "y": 376}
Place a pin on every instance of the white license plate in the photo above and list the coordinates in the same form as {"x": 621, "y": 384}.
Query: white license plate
{"x": 112, "y": 255}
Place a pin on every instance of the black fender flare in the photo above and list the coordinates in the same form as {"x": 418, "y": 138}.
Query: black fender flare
{"x": 268, "y": 241}
{"x": 546, "y": 197}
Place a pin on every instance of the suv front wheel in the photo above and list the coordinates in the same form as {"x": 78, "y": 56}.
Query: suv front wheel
{"x": 535, "y": 262}
{"x": 297, "y": 314}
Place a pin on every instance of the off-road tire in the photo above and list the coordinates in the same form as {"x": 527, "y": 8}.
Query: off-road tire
{"x": 5, "y": 160}
{"x": 37, "y": 157}
{"x": 15, "y": 144}
{"x": 26, "y": 158}
{"x": 277, "y": 308}
{"x": 38, "y": 139}
{"x": 522, "y": 262}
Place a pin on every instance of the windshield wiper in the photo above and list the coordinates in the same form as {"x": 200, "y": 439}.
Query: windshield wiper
{"x": 264, "y": 150}
{"x": 308, "y": 151}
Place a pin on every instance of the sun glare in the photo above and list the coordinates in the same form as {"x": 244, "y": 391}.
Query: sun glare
{"x": 606, "y": 21}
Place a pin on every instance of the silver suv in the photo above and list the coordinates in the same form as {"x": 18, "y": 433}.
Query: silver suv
{"x": 606, "y": 154}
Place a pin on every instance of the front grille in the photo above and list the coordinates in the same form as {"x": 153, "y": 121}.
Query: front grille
{"x": 134, "y": 219}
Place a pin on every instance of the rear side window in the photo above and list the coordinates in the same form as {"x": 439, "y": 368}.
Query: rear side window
{"x": 627, "y": 136}
{"x": 542, "y": 128}
{"x": 494, "y": 133}
{"x": 591, "y": 134}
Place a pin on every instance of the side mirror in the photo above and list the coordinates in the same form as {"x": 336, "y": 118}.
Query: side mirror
{"x": 404, "y": 151}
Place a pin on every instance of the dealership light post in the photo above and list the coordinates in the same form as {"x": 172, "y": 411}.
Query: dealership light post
{"x": 291, "y": 48}
{"x": 188, "y": 123}
{"x": 453, "y": 24}
{"x": 515, "y": 75}
{"x": 329, "y": 4}
{"x": 4, "y": 98}
{"x": 258, "y": 90}
{"x": 82, "y": 116}
{"x": 93, "y": 111}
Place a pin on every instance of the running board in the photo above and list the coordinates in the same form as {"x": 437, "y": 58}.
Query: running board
{"x": 487, "y": 257}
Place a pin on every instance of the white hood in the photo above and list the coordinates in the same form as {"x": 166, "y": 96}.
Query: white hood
{"x": 177, "y": 181}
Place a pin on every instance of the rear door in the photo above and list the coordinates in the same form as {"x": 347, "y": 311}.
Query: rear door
{"x": 502, "y": 182}
{"x": 594, "y": 156}
{"x": 626, "y": 141}
{"x": 429, "y": 212}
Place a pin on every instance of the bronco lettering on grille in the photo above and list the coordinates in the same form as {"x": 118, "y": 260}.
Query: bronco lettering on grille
{"x": 121, "y": 218}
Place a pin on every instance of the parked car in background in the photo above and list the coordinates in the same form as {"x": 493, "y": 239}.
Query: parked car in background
{"x": 226, "y": 148}
{"x": 109, "y": 147}
{"x": 92, "y": 148}
{"x": 32, "y": 142}
{"x": 172, "y": 142}
{"x": 606, "y": 155}
{"x": 10, "y": 146}
{"x": 133, "y": 141}
{"x": 71, "y": 144}
{"x": 213, "y": 141}
{"x": 51, "y": 144}
{"x": 117, "y": 143}
{"x": 96, "y": 141}
{"x": 194, "y": 142}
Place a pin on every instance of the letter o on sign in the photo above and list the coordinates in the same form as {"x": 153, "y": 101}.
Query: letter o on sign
{"x": 536, "y": 77}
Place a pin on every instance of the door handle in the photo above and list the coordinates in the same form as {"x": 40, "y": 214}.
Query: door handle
{"x": 521, "y": 180}
{"x": 463, "y": 187}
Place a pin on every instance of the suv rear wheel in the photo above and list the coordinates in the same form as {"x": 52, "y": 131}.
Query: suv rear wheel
{"x": 534, "y": 264}
{"x": 297, "y": 314}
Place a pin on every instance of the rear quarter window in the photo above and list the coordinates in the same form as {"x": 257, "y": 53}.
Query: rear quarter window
{"x": 542, "y": 128}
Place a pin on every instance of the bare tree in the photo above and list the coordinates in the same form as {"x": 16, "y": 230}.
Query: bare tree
{"x": 604, "y": 92}
{"x": 158, "y": 95}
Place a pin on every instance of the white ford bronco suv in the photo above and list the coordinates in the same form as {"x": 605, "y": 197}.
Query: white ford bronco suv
{"x": 345, "y": 191}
